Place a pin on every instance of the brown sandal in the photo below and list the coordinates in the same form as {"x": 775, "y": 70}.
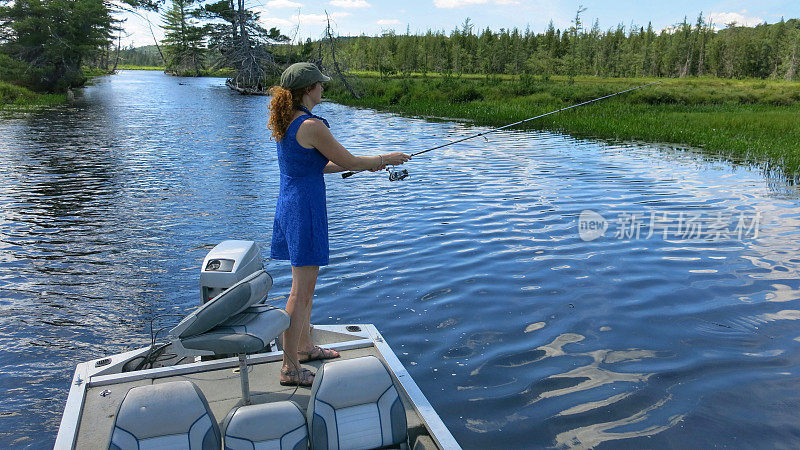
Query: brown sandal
{"x": 318, "y": 353}
{"x": 301, "y": 377}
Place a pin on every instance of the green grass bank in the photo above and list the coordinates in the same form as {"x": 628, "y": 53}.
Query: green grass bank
{"x": 13, "y": 96}
{"x": 753, "y": 120}
{"x": 221, "y": 73}
{"x": 17, "y": 97}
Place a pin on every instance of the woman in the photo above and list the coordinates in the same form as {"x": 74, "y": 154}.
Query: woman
{"x": 306, "y": 150}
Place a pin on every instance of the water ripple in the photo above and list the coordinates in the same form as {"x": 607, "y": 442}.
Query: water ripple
{"x": 518, "y": 331}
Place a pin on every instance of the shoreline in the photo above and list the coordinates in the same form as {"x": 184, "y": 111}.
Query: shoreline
{"x": 753, "y": 121}
{"x": 219, "y": 73}
{"x": 18, "y": 98}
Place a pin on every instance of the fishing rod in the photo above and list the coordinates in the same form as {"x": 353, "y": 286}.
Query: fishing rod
{"x": 395, "y": 175}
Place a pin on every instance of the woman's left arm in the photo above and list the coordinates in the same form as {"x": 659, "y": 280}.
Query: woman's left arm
{"x": 332, "y": 167}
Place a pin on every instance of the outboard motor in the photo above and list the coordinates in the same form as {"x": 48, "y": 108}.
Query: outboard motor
{"x": 233, "y": 319}
{"x": 226, "y": 264}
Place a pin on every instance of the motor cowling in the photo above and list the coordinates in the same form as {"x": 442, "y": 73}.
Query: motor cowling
{"x": 226, "y": 264}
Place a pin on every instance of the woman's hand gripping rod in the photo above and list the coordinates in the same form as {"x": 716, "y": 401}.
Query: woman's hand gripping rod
{"x": 399, "y": 175}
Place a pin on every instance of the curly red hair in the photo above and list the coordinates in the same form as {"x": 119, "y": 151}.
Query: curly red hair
{"x": 282, "y": 108}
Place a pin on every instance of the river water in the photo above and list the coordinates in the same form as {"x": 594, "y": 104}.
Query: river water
{"x": 486, "y": 270}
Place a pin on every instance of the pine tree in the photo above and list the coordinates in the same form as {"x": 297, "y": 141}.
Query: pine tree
{"x": 184, "y": 47}
{"x": 53, "y": 38}
{"x": 647, "y": 62}
{"x": 572, "y": 59}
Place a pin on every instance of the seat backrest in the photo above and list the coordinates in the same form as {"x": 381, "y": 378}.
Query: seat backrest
{"x": 278, "y": 425}
{"x": 230, "y": 302}
{"x": 165, "y": 415}
{"x": 355, "y": 405}
{"x": 247, "y": 332}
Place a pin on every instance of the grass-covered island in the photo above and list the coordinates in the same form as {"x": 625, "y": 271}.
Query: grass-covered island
{"x": 222, "y": 73}
{"x": 752, "y": 119}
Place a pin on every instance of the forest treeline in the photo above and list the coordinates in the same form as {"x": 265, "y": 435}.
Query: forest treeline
{"x": 146, "y": 56}
{"x": 695, "y": 48}
{"x": 45, "y": 44}
{"x": 686, "y": 49}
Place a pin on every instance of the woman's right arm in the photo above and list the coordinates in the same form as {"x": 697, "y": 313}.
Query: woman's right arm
{"x": 313, "y": 133}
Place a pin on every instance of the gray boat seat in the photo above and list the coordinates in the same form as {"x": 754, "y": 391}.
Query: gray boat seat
{"x": 247, "y": 332}
{"x": 278, "y": 425}
{"x": 166, "y": 415}
{"x": 234, "y": 300}
{"x": 232, "y": 323}
{"x": 355, "y": 405}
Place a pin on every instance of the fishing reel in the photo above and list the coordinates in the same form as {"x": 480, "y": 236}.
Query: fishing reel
{"x": 394, "y": 174}
{"x": 397, "y": 174}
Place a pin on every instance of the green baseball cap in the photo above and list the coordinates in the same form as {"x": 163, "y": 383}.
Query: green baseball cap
{"x": 302, "y": 74}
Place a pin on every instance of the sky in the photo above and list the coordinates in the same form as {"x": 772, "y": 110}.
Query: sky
{"x": 301, "y": 19}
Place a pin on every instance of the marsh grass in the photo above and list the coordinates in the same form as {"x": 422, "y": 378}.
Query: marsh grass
{"x": 132, "y": 67}
{"x": 222, "y": 73}
{"x": 17, "y": 97}
{"x": 754, "y": 120}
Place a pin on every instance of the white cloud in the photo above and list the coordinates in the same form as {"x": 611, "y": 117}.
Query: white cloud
{"x": 317, "y": 19}
{"x": 283, "y": 4}
{"x": 350, "y": 3}
{"x": 303, "y": 19}
{"x": 299, "y": 26}
{"x": 720, "y": 19}
{"x": 277, "y": 22}
{"x": 137, "y": 31}
{"x": 457, "y": 3}
{"x": 388, "y": 22}
{"x": 450, "y": 4}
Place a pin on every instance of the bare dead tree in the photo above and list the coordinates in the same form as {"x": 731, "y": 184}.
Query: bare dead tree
{"x": 337, "y": 69}
{"x": 121, "y": 6}
{"x": 254, "y": 66}
{"x": 245, "y": 48}
{"x": 792, "y": 70}
{"x": 116, "y": 59}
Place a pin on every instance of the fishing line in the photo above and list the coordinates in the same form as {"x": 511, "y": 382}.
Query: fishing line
{"x": 396, "y": 175}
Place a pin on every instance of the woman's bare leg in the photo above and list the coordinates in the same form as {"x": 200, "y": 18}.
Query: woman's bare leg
{"x": 304, "y": 281}
{"x": 306, "y": 345}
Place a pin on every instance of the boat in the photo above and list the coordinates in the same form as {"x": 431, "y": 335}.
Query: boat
{"x": 213, "y": 382}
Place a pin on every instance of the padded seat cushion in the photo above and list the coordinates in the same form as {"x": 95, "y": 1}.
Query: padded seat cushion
{"x": 251, "y": 290}
{"x": 165, "y": 415}
{"x": 278, "y": 425}
{"x": 247, "y": 332}
{"x": 355, "y": 405}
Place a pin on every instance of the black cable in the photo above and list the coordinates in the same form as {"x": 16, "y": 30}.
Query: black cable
{"x": 150, "y": 359}
{"x": 155, "y": 353}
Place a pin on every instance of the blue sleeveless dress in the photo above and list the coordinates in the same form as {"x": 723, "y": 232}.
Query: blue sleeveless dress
{"x": 300, "y": 229}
